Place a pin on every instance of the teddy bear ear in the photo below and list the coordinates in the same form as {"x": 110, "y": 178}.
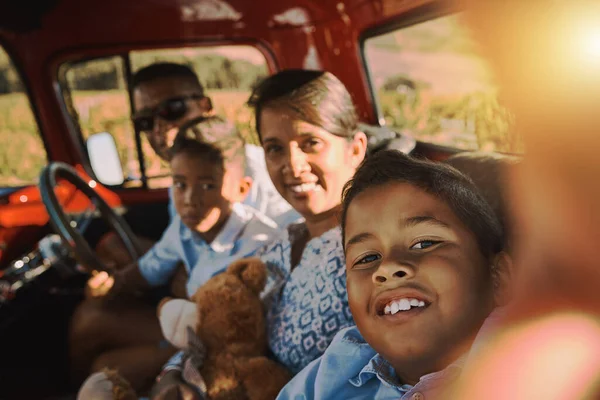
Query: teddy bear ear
{"x": 251, "y": 271}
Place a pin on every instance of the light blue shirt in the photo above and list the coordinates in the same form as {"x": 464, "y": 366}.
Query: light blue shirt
{"x": 351, "y": 369}
{"x": 243, "y": 234}
{"x": 262, "y": 196}
{"x": 307, "y": 304}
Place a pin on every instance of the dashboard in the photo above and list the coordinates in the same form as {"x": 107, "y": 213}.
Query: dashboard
{"x": 39, "y": 292}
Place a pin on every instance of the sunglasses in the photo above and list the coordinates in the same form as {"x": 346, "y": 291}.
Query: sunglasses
{"x": 169, "y": 110}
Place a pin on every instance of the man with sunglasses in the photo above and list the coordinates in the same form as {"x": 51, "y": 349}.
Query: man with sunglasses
{"x": 165, "y": 96}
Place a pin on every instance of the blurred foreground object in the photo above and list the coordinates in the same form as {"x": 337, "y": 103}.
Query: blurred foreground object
{"x": 552, "y": 357}
{"x": 546, "y": 55}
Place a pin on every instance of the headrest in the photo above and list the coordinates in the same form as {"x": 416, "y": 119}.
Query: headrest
{"x": 489, "y": 173}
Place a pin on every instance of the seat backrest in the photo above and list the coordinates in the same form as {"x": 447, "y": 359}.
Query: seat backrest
{"x": 489, "y": 173}
{"x": 381, "y": 137}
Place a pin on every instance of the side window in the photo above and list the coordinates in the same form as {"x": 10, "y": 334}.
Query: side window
{"x": 98, "y": 92}
{"x": 22, "y": 151}
{"x": 429, "y": 80}
{"x": 101, "y": 102}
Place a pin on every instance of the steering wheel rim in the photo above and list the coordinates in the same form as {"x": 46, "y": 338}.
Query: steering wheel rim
{"x": 61, "y": 223}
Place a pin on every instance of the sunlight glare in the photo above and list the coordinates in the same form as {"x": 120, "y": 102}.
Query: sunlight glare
{"x": 591, "y": 44}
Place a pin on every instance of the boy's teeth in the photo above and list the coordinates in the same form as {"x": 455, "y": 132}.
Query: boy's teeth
{"x": 305, "y": 187}
{"x": 402, "y": 305}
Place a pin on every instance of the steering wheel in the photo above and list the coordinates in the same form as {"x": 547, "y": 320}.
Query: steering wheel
{"x": 71, "y": 230}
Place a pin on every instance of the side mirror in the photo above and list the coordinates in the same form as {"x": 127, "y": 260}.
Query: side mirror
{"x": 104, "y": 158}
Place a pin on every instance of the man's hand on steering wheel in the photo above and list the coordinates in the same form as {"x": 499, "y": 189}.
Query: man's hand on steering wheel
{"x": 109, "y": 284}
{"x": 99, "y": 285}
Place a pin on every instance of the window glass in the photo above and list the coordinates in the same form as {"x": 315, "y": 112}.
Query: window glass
{"x": 22, "y": 151}
{"x": 100, "y": 99}
{"x": 102, "y": 102}
{"x": 429, "y": 80}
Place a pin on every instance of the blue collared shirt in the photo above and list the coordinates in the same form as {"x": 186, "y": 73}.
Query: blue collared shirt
{"x": 243, "y": 234}
{"x": 262, "y": 196}
{"x": 351, "y": 369}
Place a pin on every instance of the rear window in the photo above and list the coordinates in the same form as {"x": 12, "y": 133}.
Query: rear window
{"x": 97, "y": 91}
{"x": 429, "y": 80}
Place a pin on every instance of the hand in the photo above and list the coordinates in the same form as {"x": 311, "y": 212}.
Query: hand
{"x": 172, "y": 387}
{"x": 109, "y": 285}
{"x": 99, "y": 284}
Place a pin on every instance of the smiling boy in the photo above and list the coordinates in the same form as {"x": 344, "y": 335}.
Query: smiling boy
{"x": 423, "y": 259}
{"x": 211, "y": 228}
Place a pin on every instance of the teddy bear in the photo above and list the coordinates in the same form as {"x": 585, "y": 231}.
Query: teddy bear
{"x": 230, "y": 341}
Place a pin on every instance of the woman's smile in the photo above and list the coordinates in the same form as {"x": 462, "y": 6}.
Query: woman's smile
{"x": 304, "y": 189}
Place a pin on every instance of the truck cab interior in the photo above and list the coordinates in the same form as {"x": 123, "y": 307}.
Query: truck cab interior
{"x": 73, "y": 166}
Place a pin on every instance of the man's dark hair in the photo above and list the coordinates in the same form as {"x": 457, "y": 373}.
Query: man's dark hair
{"x": 440, "y": 180}
{"x": 206, "y": 151}
{"x": 165, "y": 70}
{"x": 317, "y": 97}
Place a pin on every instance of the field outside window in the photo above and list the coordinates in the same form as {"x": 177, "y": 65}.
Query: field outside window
{"x": 22, "y": 152}
{"x": 429, "y": 80}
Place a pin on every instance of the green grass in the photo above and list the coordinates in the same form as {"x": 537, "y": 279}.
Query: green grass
{"x": 22, "y": 153}
{"x": 471, "y": 122}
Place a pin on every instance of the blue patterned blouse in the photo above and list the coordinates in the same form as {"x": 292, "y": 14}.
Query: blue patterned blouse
{"x": 307, "y": 304}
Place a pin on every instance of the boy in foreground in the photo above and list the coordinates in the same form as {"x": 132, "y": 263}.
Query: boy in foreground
{"x": 425, "y": 268}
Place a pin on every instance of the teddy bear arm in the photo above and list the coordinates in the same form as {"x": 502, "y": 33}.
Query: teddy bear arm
{"x": 263, "y": 378}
